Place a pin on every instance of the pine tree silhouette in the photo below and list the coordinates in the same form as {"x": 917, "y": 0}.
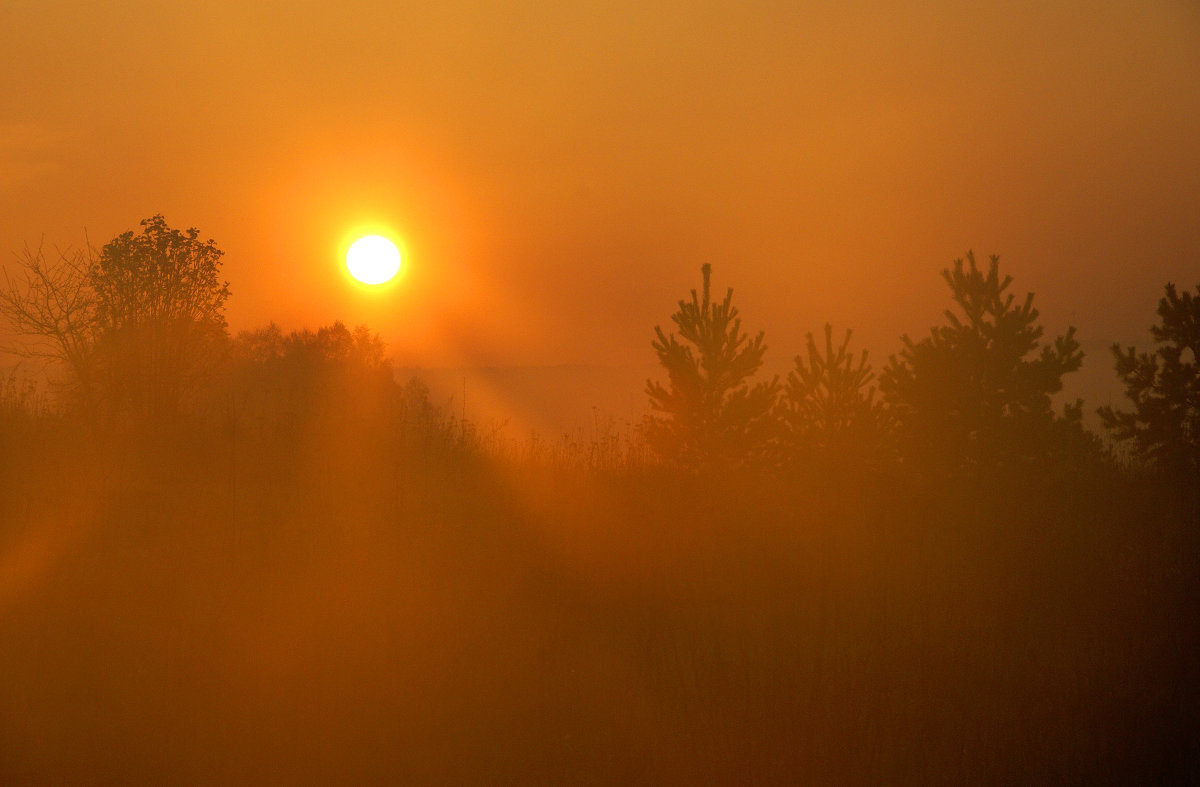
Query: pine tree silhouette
{"x": 829, "y": 405}
{"x": 709, "y": 414}
{"x": 977, "y": 391}
{"x": 1164, "y": 387}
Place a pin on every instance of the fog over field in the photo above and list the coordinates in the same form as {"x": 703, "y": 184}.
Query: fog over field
{"x": 599, "y": 393}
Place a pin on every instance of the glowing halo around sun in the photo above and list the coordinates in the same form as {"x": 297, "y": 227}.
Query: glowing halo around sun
{"x": 373, "y": 259}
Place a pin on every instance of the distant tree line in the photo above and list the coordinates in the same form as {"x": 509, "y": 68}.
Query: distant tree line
{"x": 138, "y": 328}
{"x": 138, "y": 334}
{"x": 974, "y": 394}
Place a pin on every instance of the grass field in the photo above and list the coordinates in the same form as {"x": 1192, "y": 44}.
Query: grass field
{"x": 343, "y": 607}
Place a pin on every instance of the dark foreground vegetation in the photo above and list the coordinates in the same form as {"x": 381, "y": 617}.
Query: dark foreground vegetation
{"x": 334, "y": 614}
{"x": 296, "y": 569}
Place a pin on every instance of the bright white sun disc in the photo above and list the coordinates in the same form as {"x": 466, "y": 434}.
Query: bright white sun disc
{"x": 373, "y": 259}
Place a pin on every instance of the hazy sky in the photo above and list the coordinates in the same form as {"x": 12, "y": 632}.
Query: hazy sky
{"x": 558, "y": 171}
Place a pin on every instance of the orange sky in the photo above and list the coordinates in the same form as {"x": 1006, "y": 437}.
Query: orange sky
{"x": 559, "y": 171}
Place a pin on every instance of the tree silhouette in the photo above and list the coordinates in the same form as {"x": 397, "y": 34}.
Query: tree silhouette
{"x": 829, "y": 405}
{"x": 977, "y": 391}
{"x": 137, "y": 325}
{"x": 1164, "y": 387}
{"x": 159, "y": 314}
{"x": 709, "y": 414}
{"x": 332, "y": 382}
{"x": 52, "y": 305}
{"x": 307, "y": 374}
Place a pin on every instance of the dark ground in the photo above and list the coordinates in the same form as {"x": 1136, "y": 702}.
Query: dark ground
{"x": 328, "y": 612}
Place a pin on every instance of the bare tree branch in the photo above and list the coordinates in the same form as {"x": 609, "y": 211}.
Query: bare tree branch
{"x": 50, "y": 306}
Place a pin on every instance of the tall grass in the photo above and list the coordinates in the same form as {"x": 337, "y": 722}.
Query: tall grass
{"x": 361, "y": 596}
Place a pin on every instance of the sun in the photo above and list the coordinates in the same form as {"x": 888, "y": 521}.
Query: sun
{"x": 373, "y": 259}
